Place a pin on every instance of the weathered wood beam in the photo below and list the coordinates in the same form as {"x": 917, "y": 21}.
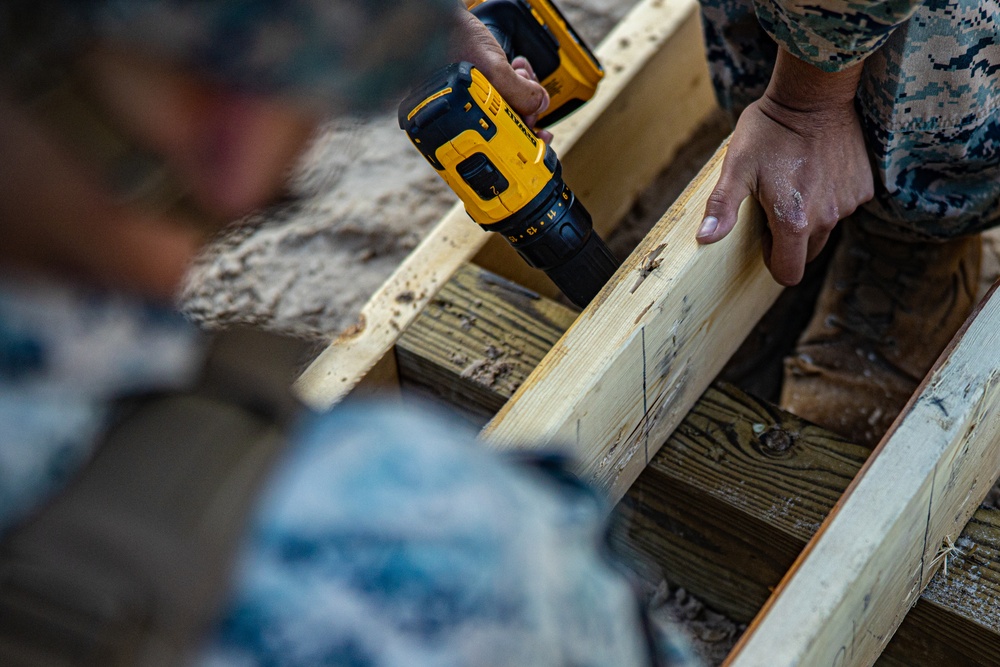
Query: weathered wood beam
{"x": 733, "y": 496}
{"x": 641, "y": 354}
{"x": 604, "y": 163}
{"x": 478, "y": 339}
{"x": 849, "y": 590}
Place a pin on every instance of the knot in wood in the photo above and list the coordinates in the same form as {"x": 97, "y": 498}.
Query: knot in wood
{"x": 775, "y": 441}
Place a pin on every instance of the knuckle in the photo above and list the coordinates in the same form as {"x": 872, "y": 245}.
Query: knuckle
{"x": 791, "y": 226}
{"x": 833, "y": 214}
{"x": 719, "y": 198}
{"x": 827, "y": 222}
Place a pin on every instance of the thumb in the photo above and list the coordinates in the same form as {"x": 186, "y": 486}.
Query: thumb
{"x": 723, "y": 206}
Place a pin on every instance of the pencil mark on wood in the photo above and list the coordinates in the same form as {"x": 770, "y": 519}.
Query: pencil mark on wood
{"x": 939, "y": 404}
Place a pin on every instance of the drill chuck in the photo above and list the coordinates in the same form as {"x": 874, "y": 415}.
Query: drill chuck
{"x": 555, "y": 233}
{"x": 581, "y": 276}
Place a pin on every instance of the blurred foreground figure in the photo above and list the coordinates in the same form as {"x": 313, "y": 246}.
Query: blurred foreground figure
{"x": 163, "y": 500}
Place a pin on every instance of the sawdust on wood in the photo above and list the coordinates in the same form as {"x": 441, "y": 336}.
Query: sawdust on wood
{"x": 711, "y": 635}
{"x": 650, "y": 263}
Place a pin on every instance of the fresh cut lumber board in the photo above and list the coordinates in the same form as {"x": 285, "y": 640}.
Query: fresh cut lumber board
{"x": 610, "y": 149}
{"x": 639, "y": 356}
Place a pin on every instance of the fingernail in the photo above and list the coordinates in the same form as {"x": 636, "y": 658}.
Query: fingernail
{"x": 708, "y": 226}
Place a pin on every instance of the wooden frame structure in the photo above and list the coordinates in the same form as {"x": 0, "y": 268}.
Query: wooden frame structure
{"x": 630, "y": 371}
{"x": 734, "y": 495}
{"x": 654, "y": 339}
{"x": 877, "y": 550}
{"x": 610, "y": 150}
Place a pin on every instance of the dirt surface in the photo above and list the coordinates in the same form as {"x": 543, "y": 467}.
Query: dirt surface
{"x": 712, "y": 635}
{"x": 359, "y": 201}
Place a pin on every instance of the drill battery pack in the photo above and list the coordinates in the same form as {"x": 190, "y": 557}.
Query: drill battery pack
{"x": 537, "y": 30}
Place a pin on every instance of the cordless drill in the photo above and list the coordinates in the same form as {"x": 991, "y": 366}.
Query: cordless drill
{"x": 509, "y": 180}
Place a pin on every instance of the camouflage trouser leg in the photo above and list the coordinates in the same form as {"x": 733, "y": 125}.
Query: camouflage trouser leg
{"x": 929, "y": 103}
{"x": 740, "y": 54}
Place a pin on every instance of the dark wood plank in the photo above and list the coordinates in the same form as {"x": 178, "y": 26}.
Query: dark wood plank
{"x": 478, "y": 339}
{"x": 733, "y": 496}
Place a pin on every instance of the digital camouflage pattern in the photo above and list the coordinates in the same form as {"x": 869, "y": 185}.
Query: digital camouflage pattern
{"x": 66, "y": 352}
{"x": 333, "y": 54}
{"x": 740, "y": 54}
{"x": 929, "y": 98}
{"x": 390, "y": 537}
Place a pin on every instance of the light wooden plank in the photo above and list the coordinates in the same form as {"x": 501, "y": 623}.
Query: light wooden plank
{"x": 844, "y": 597}
{"x": 638, "y": 79}
{"x": 638, "y": 133}
{"x": 641, "y": 354}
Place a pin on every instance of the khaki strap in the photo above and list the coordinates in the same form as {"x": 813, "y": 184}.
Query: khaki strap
{"x": 131, "y": 563}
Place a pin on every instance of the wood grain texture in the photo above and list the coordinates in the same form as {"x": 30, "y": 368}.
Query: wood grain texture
{"x": 641, "y": 354}
{"x": 849, "y": 590}
{"x": 638, "y": 78}
{"x": 733, "y": 497}
{"x": 478, "y": 339}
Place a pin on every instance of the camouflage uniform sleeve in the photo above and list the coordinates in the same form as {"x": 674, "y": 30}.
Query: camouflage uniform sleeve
{"x": 833, "y": 34}
{"x": 334, "y": 54}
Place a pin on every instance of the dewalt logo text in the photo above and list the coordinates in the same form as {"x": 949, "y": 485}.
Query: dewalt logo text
{"x": 520, "y": 125}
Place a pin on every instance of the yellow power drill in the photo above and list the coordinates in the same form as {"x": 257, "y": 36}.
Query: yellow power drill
{"x": 509, "y": 180}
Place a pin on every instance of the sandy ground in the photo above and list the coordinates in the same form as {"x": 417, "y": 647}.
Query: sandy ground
{"x": 358, "y": 202}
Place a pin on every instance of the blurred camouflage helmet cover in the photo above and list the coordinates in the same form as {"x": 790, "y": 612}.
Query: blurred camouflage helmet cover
{"x": 347, "y": 54}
